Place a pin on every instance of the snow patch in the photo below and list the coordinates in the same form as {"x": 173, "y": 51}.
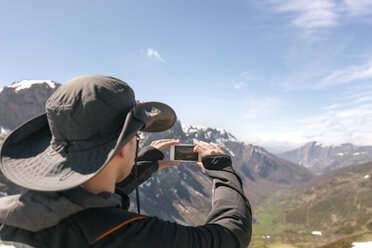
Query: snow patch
{"x": 317, "y": 233}
{"x": 3, "y": 193}
{"x": 318, "y": 144}
{"x": 366, "y": 176}
{"x": 231, "y": 153}
{"x": 362, "y": 244}
{"x": 25, "y": 84}
{"x": 258, "y": 150}
{"x": 340, "y": 154}
{"x": 356, "y": 153}
{"x": 4, "y": 130}
{"x": 187, "y": 128}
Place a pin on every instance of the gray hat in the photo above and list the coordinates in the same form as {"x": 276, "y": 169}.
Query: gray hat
{"x": 87, "y": 121}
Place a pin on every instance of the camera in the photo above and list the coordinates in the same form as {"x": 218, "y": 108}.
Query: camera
{"x": 184, "y": 152}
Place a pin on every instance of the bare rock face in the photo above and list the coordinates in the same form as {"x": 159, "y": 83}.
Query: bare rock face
{"x": 23, "y": 100}
{"x": 322, "y": 159}
{"x": 183, "y": 193}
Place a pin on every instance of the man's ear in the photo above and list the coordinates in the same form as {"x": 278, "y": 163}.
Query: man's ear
{"x": 121, "y": 153}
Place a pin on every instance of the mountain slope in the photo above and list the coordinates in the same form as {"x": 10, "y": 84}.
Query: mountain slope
{"x": 337, "y": 205}
{"x": 23, "y": 100}
{"x": 321, "y": 159}
{"x": 183, "y": 193}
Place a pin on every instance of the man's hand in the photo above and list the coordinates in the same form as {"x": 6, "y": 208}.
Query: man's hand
{"x": 206, "y": 149}
{"x": 163, "y": 144}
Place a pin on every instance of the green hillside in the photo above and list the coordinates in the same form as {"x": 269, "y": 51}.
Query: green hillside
{"x": 338, "y": 205}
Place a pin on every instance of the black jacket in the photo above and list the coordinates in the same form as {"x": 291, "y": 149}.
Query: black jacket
{"x": 77, "y": 218}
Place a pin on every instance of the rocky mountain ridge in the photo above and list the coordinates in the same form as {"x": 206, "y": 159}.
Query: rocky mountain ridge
{"x": 179, "y": 193}
{"x": 321, "y": 159}
{"x": 189, "y": 191}
{"x": 23, "y": 100}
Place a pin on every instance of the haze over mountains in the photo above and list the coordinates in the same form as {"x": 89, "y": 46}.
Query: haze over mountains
{"x": 289, "y": 200}
{"x": 321, "y": 159}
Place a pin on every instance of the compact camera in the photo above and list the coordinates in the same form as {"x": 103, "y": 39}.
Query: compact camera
{"x": 184, "y": 152}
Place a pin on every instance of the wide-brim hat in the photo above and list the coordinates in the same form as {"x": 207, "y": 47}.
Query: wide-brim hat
{"x": 87, "y": 121}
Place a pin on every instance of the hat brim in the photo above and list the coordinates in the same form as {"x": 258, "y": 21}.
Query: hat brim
{"x": 28, "y": 159}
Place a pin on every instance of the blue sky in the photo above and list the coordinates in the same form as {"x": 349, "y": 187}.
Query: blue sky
{"x": 276, "y": 73}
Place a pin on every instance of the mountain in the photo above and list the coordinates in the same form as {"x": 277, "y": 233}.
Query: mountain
{"x": 23, "y": 100}
{"x": 327, "y": 208}
{"x": 321, "y": 159}
{"x": 186, "y": 189}
{"x": 179, "y": 193}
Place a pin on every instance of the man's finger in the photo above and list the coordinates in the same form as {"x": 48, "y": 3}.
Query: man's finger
{"x": 162, "y": 144}
{"x": 198, "y": 164}
{"x": 166, "y": 163}
{"x": 165, "y": 144}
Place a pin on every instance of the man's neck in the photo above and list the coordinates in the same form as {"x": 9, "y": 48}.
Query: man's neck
{"x": 104, "y": 181}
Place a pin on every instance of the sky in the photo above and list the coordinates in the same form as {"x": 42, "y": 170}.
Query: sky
{"x": 275, "y": 73}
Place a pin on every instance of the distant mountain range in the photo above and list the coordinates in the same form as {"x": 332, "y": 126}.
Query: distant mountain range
{"x": 321, "y": 159}
{"x": 289, "y": 200}
{"x": 188, "y": 190}
{"x": 180, "y": 193}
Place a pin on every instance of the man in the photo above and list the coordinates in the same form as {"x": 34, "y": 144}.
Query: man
{"x": 76, "y": 162}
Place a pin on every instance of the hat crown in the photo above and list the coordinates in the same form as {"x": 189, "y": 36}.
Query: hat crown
{"x": 88, "y": 108}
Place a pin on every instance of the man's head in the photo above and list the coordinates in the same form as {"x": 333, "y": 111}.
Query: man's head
{"x": 87, "y": 123}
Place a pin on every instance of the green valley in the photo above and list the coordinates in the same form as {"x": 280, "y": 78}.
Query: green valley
{"x": 329, "y": 208}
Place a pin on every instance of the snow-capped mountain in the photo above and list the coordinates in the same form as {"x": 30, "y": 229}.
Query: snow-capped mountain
{"x": 26, "y": 84}
{"x": 4, "y": 130}
{"x": 321, "y": 159}
{"x": 186, "y": 189}
{"x": 23, "y": 100}
{"x": 179, "y": 193}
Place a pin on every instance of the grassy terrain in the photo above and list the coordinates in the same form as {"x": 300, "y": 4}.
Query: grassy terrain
{"x": 348, "y": 241}
{"x": 338, "y": 205}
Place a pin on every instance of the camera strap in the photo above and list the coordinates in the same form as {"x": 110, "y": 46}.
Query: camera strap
{"x": 135, "y": 177}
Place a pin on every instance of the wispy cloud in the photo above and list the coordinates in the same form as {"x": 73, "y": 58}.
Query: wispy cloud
{"x": 333, "y": 106}
{"x": 337, "y": 126}
{"x": 239, "y": 85}
{"x": 313, "y": 79}
{"x": 309, "y": 14}
{"x": 151, "y": 53}
{"x": 260, "y": 107}
{"x": 358, "y": 7}
{"x": 346, "y": 75}
{"x": 315, "y": 15}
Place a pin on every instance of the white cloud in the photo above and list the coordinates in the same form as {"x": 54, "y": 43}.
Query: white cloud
{"x": 358, "y": 7}
{"x": 260, "y": 107}
{"x": 350, "y": 125}
{"x": 337, "y": 126}
{"x": 151, "y": 53}
{"x": 333, "y": 106}
{"x": 309, "y": 14}
{"x": 239, "y": 85}
{"x": 361, "y": 138}
{"x": 314, "y": 15}
{"x": 346, "y": 75}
